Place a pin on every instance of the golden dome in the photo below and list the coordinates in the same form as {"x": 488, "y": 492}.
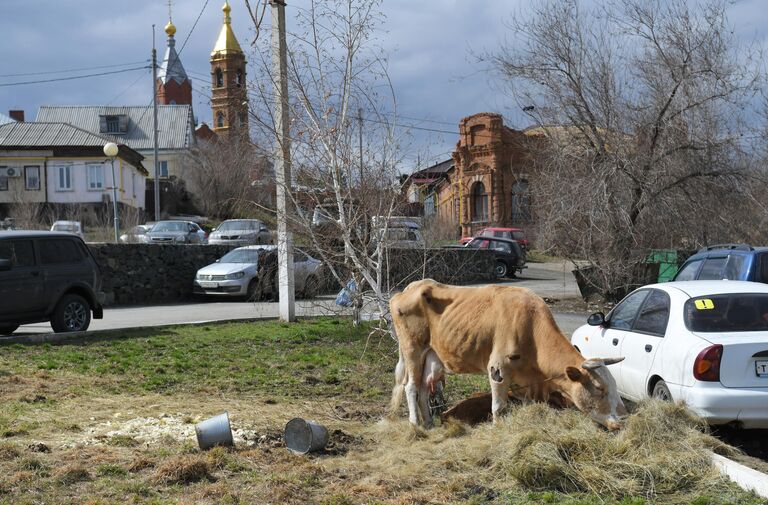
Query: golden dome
{"x": 170, "y": 29}
{"x": 226, "y": 8}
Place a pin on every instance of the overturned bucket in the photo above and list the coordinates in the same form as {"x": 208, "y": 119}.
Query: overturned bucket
{"x": 214, "y": 431}
{"x": 305, "y": 436}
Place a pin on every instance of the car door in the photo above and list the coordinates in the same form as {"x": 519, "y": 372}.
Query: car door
{"x": 299, "y": 269}
{"x": 640, "y": 344}
{"x": 63, "y": 263}
{"x": 608, "y": 342}
{"x": 21, "y": 287}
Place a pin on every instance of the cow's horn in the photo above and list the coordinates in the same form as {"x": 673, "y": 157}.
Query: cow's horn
{"x": 612, "y": 361}
{"x": 592, "y": 363}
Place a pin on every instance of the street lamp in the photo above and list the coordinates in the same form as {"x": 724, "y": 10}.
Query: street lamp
{"x": 110, "y": 149}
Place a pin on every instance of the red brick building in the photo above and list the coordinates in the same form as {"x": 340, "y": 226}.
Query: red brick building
{"x": 487, "y": 180}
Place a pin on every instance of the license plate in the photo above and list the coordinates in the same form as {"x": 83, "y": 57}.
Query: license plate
{"x": 761, "y": 368}
{"x": 207, "y": 284}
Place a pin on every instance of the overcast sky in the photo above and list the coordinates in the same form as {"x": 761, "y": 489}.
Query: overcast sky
{"x": 428, "y": 42}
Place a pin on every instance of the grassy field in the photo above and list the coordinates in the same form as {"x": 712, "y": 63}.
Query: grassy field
{"x": 111, "y": 419}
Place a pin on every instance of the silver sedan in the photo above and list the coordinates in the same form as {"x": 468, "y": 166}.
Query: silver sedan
{"x": 251, "y": 272}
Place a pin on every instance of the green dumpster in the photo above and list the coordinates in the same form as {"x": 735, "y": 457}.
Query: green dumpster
{"x": 667, "y": 261}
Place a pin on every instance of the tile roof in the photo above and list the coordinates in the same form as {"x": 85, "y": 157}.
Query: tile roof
{"x": 173, "y": 122}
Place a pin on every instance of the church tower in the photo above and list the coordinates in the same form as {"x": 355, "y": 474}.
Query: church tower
{"x": 228, "y": 91}
{"x": 173, "y": 85}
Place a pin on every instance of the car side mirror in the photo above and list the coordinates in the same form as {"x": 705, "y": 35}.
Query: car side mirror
{"x": 5, "y": 265}
{"x": 597, "y": 319}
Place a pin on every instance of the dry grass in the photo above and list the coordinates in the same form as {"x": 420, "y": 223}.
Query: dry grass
{"x": 72, "y": 474}
{"x": 183, "y": 469}
{"x": 661, "y": 453}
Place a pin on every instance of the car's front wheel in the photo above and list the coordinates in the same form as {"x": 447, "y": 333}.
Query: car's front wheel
{"x": 255, "y": 291}
{"x": 310, "y": 287}
{"x": 73, "y": 313}
{"x": 661, "y": 392}
{"x": 8, "y": 329}
{"x": 500, "y": 270}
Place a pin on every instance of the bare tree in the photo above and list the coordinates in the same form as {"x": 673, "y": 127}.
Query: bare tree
{"x": 340, "y": 183}
{"x": 642, "y": 107}
{"x": 226, "y": 175}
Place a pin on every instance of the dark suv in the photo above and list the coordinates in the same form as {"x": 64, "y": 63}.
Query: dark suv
{"x": 736, "y": 262}
{"x": 510, "y": 256}
{"x": 47, "y": 276}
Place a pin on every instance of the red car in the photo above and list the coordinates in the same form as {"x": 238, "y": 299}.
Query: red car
{"x": 508, "y": 233}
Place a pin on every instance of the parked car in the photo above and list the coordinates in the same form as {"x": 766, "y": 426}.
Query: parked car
{"x": 701, "y": 342}
{"x": 47, "y": 276}
{"x": 73, "y": 227}
{"x": 726, "y": 261}
{"x": 251, "y": 272}
{"x": 176, "y": 232}
{"x": 402, "y": 232}
{"x": 136, "y": 235}
{"x": 240, "y": 232}
{"x": 508, "y": 233}
{"x": 510, "y": 257}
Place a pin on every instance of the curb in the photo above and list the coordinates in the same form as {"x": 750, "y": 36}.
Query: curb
{"x": 747, "y": 478}
{"x": 54, "y": 338}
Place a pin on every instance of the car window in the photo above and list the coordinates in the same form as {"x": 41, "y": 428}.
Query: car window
{"x": 299, "y": 256}
{"x": 59, "y": 252}
{"x": 518, "y": 235}
{"x": 501, "y": 246}
{"x": 241, "y": 256}
{"x": 712, "y": 269}
{"x": 498, "y": 234}
{"x": 688, "y": 272}
{"x": 654, "y": 315}
{"x": 763, "y": 268}
{"x": 734, "y": 312}
{"x": 733, "y": 267}
{"x": 168, "y": 226}
{"x": 20, "y": 252}
{"x": 622, "y": 317}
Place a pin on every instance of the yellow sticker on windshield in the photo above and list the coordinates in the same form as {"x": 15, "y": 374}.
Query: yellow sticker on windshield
{"x": 704, "y": 304}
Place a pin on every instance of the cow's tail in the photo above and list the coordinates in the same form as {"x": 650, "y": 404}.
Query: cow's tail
{"x": 401, "y": 378}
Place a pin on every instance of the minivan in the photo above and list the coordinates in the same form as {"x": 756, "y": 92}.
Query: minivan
{"x": 736, "y": 262}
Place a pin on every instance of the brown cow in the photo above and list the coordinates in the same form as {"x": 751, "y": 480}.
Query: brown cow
{"x": 504, "y": 331}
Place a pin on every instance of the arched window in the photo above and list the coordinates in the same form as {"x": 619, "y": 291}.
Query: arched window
{"x": 479, "y": 202}
{"x": 220, "y": 120}
{"x": 239, "y": 78}
{"x": 219, "y": 81}
{"x": 521, "y": 203}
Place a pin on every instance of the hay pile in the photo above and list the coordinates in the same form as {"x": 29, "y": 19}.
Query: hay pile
{"x": 661, "y": 451}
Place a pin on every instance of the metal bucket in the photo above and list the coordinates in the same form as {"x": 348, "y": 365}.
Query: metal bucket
{"x": 305, "y": 436}
{"x": 214, "y": 431}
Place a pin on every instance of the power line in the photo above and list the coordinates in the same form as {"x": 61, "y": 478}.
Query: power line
{"x": 126, "y": 89}
{"x": 183, "y": 45}
{"x": 74, "y": 69}
{"x": 71, "y": 77}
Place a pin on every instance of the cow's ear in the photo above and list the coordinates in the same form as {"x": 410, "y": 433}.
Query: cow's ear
{"x": 573, "y": 373}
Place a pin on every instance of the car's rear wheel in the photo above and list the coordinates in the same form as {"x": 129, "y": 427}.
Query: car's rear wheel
{"x": 500, "y": 269}
{"x": 73, "y": 313}
{"x": 254, "y": 291}
{"x": 661, "y": 392}
{"x": 8, "y": 329}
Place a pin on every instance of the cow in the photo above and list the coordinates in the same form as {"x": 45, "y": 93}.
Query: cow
{"x": 506, "y": 332}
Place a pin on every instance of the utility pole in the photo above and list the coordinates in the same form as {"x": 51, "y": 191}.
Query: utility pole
{"x": 154, "y": 127}
{"x": 282, "y": 162}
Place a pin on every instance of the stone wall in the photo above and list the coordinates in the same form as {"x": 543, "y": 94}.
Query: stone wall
{"x": 146, "y": 274}
{"x": 139, "y": 274}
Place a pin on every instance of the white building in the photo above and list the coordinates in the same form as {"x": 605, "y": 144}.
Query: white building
{"x": 57, "y": 163}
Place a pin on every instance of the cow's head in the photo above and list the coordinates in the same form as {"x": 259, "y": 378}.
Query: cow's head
{"x": 409, "y": 310}
{"x": 593, "y": 390}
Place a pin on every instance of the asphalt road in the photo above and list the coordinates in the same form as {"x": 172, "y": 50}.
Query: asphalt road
{"x": 552, "y": 280}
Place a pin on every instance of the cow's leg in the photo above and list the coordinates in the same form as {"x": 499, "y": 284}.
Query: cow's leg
{"x": 414, "y": 368}
{"x": 500, "y": 380}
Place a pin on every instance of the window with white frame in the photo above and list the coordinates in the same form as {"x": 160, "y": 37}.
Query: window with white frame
{"x": 64, "y": 178}
{"x": 163, "y": 169}
{"x": 32, "y": 177}
{"x": 95, "y": 174}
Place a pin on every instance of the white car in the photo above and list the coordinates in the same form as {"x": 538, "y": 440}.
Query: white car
{"x": 73, "y": 227}
{"x": 701, "y": 342}
{"x": 251, "y": 272}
